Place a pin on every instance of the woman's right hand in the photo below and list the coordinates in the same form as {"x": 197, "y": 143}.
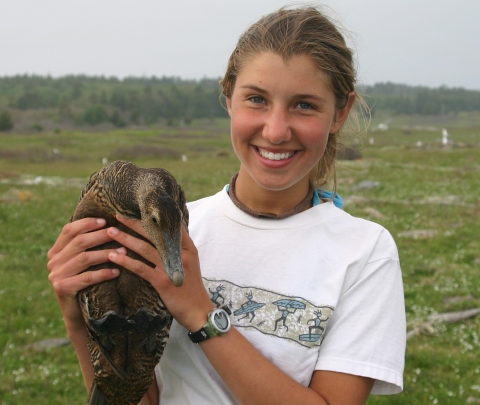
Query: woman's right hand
{"x": 68, "y": 259}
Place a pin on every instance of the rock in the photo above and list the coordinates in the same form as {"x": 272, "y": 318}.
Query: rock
{"x": 49, "y": 344}
{"x": 16, "y": 195}
{"x": 419, "y": 234}
{"x": 450, "y": 317}
{"x": 443, "y": 200}
{"x": 421, "y": 328}
{"x": 454, "y": 300}
{"x": 346, "y": 180}
{"x": 366, "y": 185}
{"x": 355, "y": 199}
{"x": 373, "y": 212}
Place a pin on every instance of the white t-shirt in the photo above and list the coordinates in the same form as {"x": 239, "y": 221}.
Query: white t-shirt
{"x": 320, "y": 290}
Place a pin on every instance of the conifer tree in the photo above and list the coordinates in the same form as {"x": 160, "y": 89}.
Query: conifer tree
{"x": 6, "y": 121}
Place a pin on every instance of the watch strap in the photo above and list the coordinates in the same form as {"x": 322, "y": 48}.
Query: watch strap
{"x": 198, "y": 336}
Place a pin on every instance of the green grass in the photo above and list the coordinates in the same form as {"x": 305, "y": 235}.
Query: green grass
{"x": 440, "y": 368}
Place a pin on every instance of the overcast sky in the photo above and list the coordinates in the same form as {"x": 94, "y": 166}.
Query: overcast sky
{"x": 415, "y": 42}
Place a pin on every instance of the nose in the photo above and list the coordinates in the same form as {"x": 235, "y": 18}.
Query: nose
{"x": 277, "y": 128}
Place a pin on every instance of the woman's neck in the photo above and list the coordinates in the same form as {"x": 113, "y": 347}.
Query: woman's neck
{"x": 275, "y": 202}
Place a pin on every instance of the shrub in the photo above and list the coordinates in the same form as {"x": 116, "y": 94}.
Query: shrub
{"x": 95, "y": 114}
{"x": 117, "y": 120}
{"x": 6, "y": 121}
{"x": 37, "y": 127}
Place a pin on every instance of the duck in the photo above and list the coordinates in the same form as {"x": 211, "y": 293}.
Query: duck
{"x": 126, "y": 320}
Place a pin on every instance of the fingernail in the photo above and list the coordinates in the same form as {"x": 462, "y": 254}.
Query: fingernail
{"x": 122, "y": 250}
{"x": 115, "y": 271}
{"x": 100, "y": 221}
{"x": 114, "y": 231}
{"x": 112, "y": 256}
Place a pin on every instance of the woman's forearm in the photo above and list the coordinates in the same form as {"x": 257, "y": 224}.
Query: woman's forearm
{"x": 78, "y": 336}
{"x": 252, "y": 378}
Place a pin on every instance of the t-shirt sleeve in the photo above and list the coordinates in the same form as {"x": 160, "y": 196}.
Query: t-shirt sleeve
{"x": 367, "y": 332}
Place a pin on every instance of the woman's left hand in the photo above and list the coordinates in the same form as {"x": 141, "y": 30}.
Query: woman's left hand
{"x": 188, "y": 304}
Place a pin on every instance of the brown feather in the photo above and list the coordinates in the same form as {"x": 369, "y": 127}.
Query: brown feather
{"x": 118, "y": 313}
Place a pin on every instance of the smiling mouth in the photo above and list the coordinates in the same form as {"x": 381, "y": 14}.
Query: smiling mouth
{"x": 275, "y": 156}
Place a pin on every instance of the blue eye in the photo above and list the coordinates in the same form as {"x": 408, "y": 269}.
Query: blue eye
{"x": 304, "y": 106}
{"x": 257, "y": 99}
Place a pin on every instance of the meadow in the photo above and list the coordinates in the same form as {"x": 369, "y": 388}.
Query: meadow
{"x": 425, "y": 193}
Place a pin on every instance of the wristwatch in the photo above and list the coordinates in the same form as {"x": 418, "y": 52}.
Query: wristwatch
{"x": 218, "y": 323}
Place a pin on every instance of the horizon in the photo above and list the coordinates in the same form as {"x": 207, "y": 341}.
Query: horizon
{"x": 153, "y": 77}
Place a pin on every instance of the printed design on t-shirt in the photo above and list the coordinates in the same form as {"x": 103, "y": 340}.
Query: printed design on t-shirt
{"x": 292, "y": 318}
{"x": 248, "y": 308}
{"x": 216, "y": 295}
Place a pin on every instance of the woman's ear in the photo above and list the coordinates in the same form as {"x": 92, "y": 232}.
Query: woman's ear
{"x": 342, "y": 115}
{"x": 228, "y": 101}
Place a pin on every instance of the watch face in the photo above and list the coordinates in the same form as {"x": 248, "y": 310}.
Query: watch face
{"x": 221, "y": 320}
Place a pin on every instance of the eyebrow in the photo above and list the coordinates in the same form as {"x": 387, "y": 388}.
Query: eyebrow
{"x": 305, "y": 96}
{"x": 253, "y": 87}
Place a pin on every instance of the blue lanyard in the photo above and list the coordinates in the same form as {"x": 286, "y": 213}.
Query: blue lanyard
{"x": 318, "y": 193}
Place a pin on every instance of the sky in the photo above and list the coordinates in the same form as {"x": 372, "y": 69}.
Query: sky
{"x": 415, "y": 42}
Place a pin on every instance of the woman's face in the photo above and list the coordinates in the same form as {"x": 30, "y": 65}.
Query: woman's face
{"x": 281, "y": 115}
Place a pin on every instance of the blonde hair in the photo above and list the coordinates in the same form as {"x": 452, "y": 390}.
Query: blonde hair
{"x": 306, "y": 30}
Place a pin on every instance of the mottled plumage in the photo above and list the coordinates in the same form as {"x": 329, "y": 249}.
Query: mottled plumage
{"x": 127, "y": 322}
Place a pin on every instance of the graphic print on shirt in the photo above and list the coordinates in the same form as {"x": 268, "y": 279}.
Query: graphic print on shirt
{"x": 216, "y": 295}
{"x": 248, "y": 308}
{"x": 292, "y": 318}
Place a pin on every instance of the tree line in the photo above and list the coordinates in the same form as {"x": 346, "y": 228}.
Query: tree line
{"x": 91, "y": 100}
{"x": 399, "y": 99}
{"x": 130, "y": 101}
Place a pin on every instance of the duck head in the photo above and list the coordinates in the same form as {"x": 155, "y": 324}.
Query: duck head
{"x": 162, "y": 220}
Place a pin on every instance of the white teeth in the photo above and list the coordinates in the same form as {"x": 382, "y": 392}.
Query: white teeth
{"x": 275, "y": 156}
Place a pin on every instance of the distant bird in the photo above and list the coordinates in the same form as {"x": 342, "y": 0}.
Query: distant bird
{"x": 446, "y": 138}
{"x": 128, "y": 325}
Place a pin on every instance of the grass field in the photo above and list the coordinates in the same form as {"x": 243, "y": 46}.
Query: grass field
{"x": 428, "y": 197}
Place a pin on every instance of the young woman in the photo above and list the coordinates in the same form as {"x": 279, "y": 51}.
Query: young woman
{"x": 315, "y": 295}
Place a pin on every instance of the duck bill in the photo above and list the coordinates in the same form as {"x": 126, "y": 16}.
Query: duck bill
{"x": 173, "y": 258}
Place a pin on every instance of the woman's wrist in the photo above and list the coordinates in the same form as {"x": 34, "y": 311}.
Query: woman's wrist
{"x": 197, "y": 318}
{"x": 75, "y": 328}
